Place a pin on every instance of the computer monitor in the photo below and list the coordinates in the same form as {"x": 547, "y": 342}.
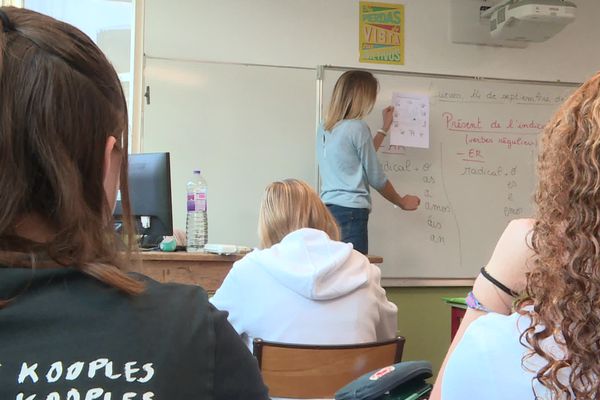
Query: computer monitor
{"x": 150, "y": 197}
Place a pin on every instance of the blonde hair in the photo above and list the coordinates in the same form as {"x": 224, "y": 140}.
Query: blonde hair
{"x": 290, "y": 205}
{"x": 353, "y": 97}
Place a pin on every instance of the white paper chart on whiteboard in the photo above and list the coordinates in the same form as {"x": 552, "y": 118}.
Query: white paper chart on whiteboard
{"x": 410, "y": 127}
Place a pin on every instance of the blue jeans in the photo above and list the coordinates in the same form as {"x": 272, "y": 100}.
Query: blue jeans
{"x": 353, "y": 225}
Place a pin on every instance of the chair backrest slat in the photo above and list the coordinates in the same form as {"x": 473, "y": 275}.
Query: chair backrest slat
{"x": 309, "y": 371}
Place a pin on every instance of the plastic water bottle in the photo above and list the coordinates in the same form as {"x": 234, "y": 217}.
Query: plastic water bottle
{"x": 197, "y": 220}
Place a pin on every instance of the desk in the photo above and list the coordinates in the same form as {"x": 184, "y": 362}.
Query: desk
{"x": 203, "y": 269}
{"x": 458, "y": 308}
{"x": 456, "y": 315}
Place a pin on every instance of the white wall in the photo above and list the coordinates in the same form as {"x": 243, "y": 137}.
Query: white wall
{"x": 307, "y": 33}
{"x": 244, "y": 127}
{"x": 312, "y": 32}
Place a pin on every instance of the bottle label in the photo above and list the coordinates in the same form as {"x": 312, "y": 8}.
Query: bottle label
{"x": 196, "y": 201}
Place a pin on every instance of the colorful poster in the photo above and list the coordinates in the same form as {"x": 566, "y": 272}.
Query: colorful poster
{"x": 381, "y": 33}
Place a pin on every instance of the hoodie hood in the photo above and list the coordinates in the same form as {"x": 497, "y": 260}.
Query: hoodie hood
{"x": 308, "y": 262}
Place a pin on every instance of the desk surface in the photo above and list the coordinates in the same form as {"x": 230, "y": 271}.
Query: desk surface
{"x": 203, "y": 269}
{"x": 208, "y": 257}
{"x": 185, "y": 256}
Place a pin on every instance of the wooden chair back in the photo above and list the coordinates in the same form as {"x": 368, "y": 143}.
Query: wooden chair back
{"x": 317, "y": 371}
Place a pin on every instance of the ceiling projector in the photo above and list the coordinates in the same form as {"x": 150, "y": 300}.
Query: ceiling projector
{"x": 529, "y": 20}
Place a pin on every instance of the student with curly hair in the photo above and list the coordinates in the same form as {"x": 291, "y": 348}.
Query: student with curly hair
{"x": 549, "y": 347}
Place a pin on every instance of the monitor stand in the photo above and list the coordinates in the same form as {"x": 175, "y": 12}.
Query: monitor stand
{"x": 149, "y": 242}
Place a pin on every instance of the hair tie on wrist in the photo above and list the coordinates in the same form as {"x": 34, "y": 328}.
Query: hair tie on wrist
{"x": 384, "y": 133}
{"x": 7, "y": 25}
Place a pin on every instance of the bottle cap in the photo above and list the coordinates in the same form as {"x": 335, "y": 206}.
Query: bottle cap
{"x": 196, "y": 171}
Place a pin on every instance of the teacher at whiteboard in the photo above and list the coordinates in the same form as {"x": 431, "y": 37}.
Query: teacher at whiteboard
{"x": 347, "y": 157}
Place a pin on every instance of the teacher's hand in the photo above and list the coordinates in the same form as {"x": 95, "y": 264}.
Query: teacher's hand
{"x": 409, "y": 202}
{"x": 388, "y": 117}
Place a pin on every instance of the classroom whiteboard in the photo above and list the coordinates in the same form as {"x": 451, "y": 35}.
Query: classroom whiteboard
{"x": 244, "y": 126}
{"x": 477, "y": 174}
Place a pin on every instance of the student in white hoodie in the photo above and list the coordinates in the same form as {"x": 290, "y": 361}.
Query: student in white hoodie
{"x": 303, "y": 285}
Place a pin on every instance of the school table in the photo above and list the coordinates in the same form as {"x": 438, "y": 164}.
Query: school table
{"x": 458, "y": 308}
{"x": 203, "y": 269}
{"x": 456, "y": 315}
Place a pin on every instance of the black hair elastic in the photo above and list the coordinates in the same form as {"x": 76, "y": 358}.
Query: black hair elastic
{"x": 7, "y": 25}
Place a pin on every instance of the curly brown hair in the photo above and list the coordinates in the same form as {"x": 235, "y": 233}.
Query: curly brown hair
{"x": 564, "y": 285}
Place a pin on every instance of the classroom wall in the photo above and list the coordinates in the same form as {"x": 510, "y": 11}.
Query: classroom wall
{"x": 424, "y": 320}
{"x": 311, "y": 32}
{"x": 307, "y": 33}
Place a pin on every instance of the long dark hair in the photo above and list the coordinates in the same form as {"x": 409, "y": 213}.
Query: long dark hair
{"x": 60, "y": 99}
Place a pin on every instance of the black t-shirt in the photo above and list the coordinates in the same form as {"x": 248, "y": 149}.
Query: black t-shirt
{"x": 67, "y": 336}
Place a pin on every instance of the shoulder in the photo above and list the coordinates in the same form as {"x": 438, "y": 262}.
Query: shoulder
{"x": 243, "y": 273}
{"x": 248, "y": 263}
{"x": 496, "y": 337}
{"x": 492, "y": 335}
{"x": 360, "y": 126}
{"x": 517, "y": 232}
{"x": 359, "y": 133}
{"x": 520, "y": 227}
{"x": 170, "y": 293}
{"x": 487, "y": 357}
{"x": 374, "y": 270}
{"x": 354, "y": 126}
{"x": 159, "y": 300}
{"x": 493, "y": 325}
{"x": 513, "y": 254}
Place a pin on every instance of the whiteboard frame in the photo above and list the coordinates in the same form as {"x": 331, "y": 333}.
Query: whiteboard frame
{"x": 422, "y": 282}
{"x": 324, "y": 67}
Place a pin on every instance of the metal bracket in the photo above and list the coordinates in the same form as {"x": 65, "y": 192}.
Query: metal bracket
{"x": 147, "y": 94}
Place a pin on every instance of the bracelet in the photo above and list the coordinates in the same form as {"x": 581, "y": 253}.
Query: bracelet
{"x": 384, "y": 133}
